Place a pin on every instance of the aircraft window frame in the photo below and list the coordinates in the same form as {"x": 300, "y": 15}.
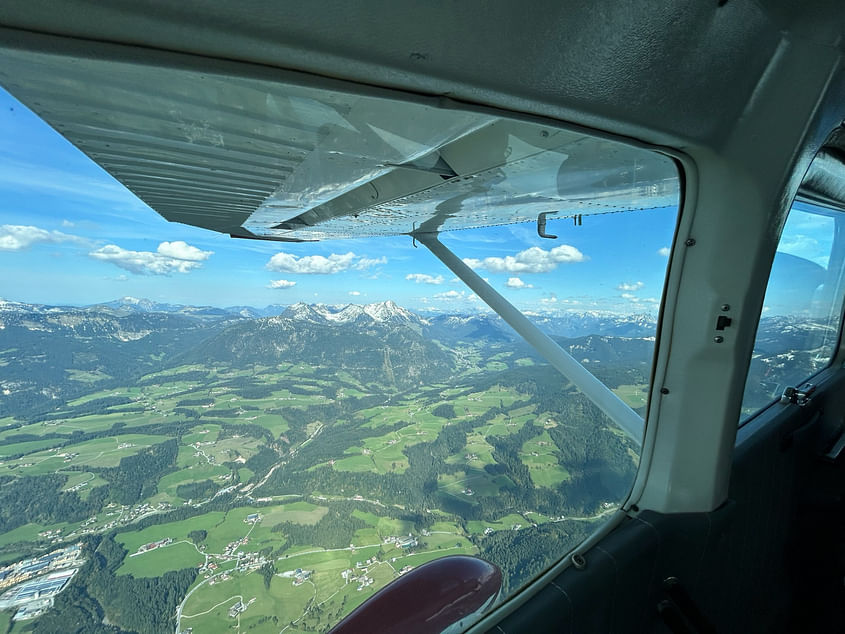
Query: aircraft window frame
{"x": 655, "y": 362}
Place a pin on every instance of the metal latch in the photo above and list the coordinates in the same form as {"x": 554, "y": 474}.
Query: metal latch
{"x": 799, "y": 396}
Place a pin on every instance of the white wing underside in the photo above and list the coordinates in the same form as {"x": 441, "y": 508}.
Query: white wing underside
{"x": 282, "y": 158}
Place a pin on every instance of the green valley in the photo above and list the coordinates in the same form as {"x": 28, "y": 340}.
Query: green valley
{"x": 276, "y": 494}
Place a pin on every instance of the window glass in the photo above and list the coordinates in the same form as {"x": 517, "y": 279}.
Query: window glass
{"x": 799, "y": 327}
{"x": 206, "y": 433}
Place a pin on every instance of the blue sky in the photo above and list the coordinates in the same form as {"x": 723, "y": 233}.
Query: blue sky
{"x": 70, "y": 234}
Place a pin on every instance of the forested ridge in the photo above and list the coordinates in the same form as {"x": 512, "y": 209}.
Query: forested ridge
{"x": 136, "y": 476}
{"x": 41, "y": 500}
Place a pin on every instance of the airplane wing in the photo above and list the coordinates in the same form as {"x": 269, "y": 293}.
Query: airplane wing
{"x": 267, "y": 154}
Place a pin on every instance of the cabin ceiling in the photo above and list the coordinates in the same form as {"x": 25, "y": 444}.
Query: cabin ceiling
{"x": 655, "y": 71}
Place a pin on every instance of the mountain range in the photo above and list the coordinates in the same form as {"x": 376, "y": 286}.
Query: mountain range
{"x": 50, "y": 353}
{"x": 54, "y": 352}
{"x": 448, "y": 325}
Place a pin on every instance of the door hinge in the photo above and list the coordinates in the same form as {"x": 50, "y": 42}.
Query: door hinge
{"x": 799, "y": 396}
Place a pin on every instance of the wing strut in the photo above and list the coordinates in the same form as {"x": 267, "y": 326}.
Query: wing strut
{"x": 602, "y": 396}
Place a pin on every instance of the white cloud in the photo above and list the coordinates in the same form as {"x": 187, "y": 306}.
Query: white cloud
{"x": 67, "y": 224}
{"x": 281, "y": 284}
{"x": 18, "y": 237}
{"x": 180, "y": 250}
{"x": 808, "y": 247}
{"x": 638, "y": 300}
{"x": 355, "y": 293}
{"x": 630, "y": 286}
{"x": 424, "y": 278}
{"x": 287, "y": 263}
{"x": 549, "y": 300}
{"x": 456, "y": 296}
{"x": 365, "y": 263}
{"x": 515, "y": 282}
{"x": 531, "y": 260}
{"x": 319, "y": 264}
{"x": 664, "y": 251}
{"x": 171, "y": 257}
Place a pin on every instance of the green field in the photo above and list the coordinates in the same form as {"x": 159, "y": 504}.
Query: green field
{"x": 89, "y": 423}
{"x": 467, "y": 484}
{"x": 634, "y": 395}
{"x": 223, "y": 528}
{"x": 86, "y": 376}
{"x": 29, "y": 446}
{"x": 296, "y": 512}
{"x": 107, "y": 452}
{"x": 206, "y": 610}
{"x": 84, "y": 480}
{"x": 201, "y": 433}
{"x": 193, "y": 473}
{"x": 25, "y": 533}
{"x": 478, "y": 451}
{"x": 177, "y": 531}
{"x": 97, "y": 395}
{"x": 539, "y": 454}
{"x": 356, "y": 464}
{"x": 231, "y": 527}
{"x": 208, "y": 606}
{"x": 156, "y": 562}
{"x": 386, "y": 526}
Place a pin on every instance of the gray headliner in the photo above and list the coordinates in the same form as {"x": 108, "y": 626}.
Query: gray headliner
{"x": 609, "y": 61}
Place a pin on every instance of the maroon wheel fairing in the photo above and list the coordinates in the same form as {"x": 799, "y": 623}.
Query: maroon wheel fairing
{"x": 447, "y": 594}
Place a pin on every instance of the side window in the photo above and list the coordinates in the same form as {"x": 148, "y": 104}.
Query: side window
{"x": 802, "y": 311}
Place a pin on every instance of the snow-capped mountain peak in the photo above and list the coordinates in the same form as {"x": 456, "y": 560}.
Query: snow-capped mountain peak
{"x": 303, "y": 312}
{"x": 387, "y": 312}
